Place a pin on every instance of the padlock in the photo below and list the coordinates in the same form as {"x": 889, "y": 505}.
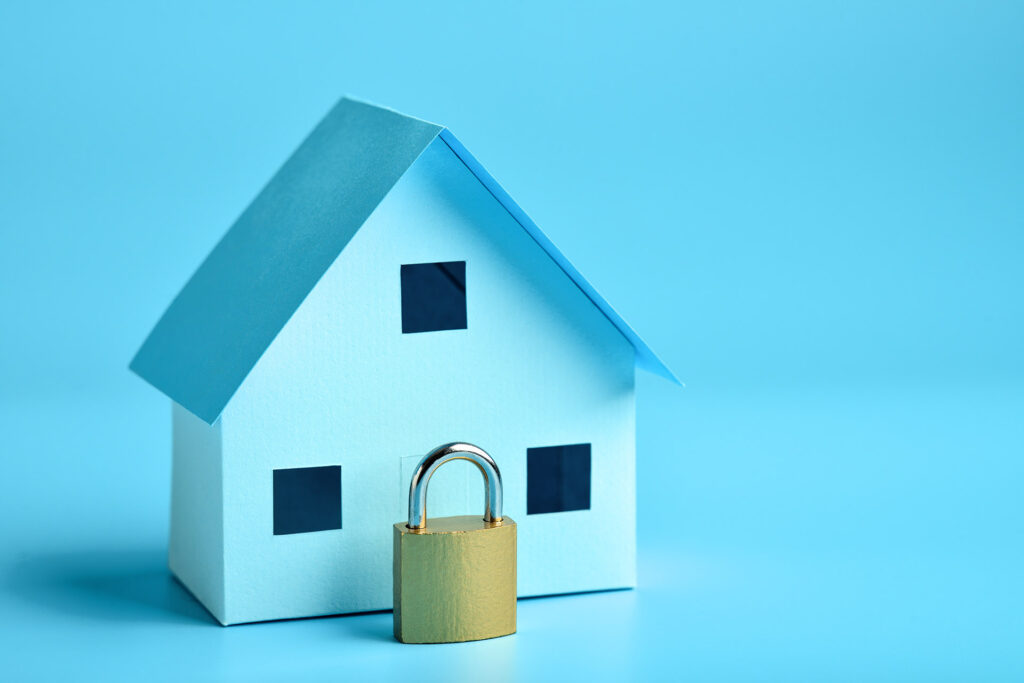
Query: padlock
{"x": 454, "y": 577}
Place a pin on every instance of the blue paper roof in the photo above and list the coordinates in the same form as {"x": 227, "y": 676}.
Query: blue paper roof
{"x": 252, "y": 282}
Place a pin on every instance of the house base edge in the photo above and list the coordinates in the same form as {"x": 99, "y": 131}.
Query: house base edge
{"x": 181, "y": 581}
{"x": 384, "y": 610}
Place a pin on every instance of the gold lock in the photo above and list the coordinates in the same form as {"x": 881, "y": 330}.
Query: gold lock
{"x": 454, "y": 578}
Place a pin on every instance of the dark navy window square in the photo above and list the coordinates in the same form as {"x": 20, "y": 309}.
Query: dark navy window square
{"x": 557, "y": 478}
{"x": 307, "y": 499}
{"x": 433, "y": 296}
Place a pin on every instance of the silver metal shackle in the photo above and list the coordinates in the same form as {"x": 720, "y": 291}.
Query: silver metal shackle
{"x": 439, "y": 456}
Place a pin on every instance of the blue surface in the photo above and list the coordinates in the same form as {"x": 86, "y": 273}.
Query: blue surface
{"x": 813, "y": 214}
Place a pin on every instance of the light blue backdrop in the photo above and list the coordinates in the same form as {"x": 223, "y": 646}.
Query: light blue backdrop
{"x": 812, "y": 211}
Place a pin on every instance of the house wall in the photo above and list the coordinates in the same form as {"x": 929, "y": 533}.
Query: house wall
{"x": 196, "y": 554}
{"x": 538, "y": 365}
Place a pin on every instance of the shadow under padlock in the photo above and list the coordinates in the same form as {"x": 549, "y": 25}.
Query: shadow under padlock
{"x": 454, "y": 577}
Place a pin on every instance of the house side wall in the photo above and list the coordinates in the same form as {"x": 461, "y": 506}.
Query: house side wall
{"x": 538, "y": 365}
{"x": 197, "y": 510}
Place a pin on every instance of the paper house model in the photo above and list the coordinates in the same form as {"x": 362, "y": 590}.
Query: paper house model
{"x": 381, "y": 296}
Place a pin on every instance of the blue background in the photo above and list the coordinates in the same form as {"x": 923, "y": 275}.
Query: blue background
{"x": 812, "y": 211}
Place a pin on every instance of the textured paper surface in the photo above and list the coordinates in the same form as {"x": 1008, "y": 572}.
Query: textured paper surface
{"x": 212, "y": 334}
{"x": 646, "y": 359}
{"x": 538, "y": 365}
{"x": 196, "y": 553}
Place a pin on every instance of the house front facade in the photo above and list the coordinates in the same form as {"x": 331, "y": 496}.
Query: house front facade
{"x": 441, "y": 319}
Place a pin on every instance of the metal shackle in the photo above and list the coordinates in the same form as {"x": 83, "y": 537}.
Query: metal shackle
{"x": 439, "y": 456}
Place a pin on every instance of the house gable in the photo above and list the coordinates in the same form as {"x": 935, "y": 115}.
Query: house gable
{"x": 219, "y": 325}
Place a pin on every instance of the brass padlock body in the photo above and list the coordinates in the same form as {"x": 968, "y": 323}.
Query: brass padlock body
{"x": 455, "y": 580}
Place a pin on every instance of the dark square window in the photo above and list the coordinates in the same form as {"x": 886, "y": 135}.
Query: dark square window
{"x": 434, "y": 296}
{"x": 307, "y": 499}
{"x": 558, "y": 478}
